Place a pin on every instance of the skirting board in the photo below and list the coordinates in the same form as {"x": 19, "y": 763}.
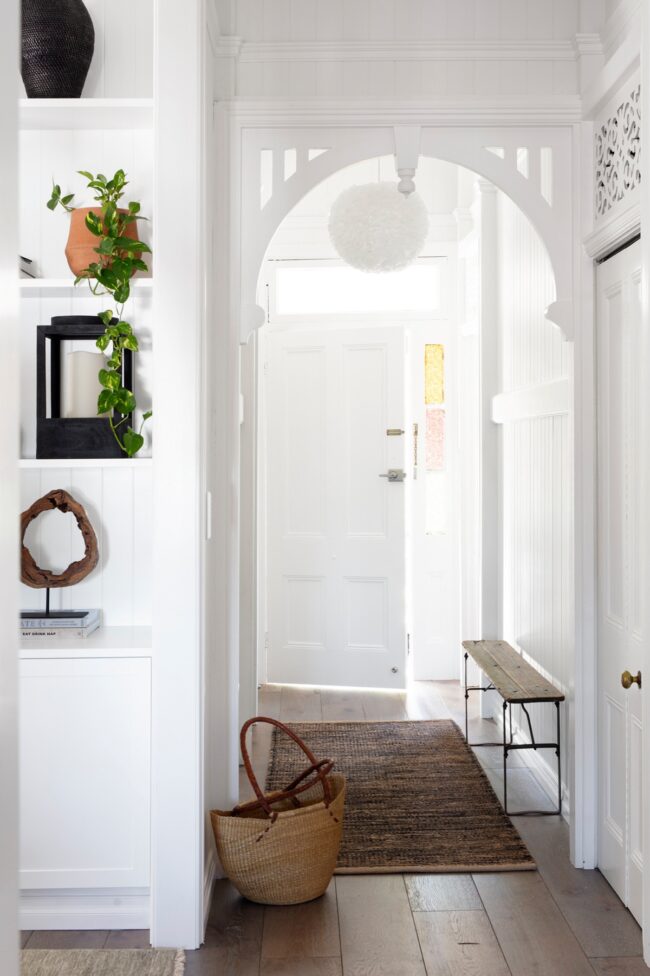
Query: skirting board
{"x": 545, "y": 777}
{"x": 209, "y": 877}
{"x": 107, "y": 909}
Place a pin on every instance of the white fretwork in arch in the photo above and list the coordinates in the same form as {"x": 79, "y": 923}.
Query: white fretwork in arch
{"x": 532, "y": 165}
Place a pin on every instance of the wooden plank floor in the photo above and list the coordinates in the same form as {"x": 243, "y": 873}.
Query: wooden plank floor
{"x": 556, "y": 922}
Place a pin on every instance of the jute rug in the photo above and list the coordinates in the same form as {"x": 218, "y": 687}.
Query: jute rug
{"x": 102, "y": 962}
{"x": 417, "y": 798}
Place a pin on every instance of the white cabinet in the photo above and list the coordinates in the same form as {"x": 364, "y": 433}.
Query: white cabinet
{"x": 85, "y": 772}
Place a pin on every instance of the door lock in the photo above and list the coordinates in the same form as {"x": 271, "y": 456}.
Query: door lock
{"x": 394, "y": 474}
{"x": 627, "y": 679}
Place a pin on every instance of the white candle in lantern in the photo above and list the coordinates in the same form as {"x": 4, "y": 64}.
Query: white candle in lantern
{"x": 81, "y": 385}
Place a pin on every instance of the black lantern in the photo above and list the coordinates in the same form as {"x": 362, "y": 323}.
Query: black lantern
{"x": 62, "y": 431}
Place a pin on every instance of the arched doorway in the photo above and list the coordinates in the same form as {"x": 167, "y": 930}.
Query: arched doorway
{"x": 483, "y": 442}
{"x": 533, "y": 166}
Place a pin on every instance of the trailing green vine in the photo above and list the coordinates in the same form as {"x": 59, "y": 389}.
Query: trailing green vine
{"x": 118, "y": 259}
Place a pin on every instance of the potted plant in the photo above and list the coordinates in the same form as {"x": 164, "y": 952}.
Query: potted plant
{"x": 103, "y": 249}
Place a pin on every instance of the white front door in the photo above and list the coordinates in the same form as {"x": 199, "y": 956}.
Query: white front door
{"x": 620, "y": 594}
{"x": 335, "y": 526}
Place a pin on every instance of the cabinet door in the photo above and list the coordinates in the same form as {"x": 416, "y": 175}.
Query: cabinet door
{"x": 84, "y": 771}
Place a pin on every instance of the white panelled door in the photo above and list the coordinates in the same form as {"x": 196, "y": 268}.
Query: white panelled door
{"x": 335, "y": 528}
{"x": 620, "y": 637}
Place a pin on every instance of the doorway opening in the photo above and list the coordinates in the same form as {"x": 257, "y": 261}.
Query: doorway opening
{"x": 359, "y": 444}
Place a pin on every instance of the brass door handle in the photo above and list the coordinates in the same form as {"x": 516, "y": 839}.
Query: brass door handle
{"x": 627, "y": 679}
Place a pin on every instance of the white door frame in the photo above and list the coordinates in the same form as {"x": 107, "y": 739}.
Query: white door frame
{"x": 181, "y": 874}
{"x": 645, "y": 461}
{"x": 354, "y": 133}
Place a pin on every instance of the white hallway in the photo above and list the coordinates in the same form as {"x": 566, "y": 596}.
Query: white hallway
{"x": 543, "y": 102}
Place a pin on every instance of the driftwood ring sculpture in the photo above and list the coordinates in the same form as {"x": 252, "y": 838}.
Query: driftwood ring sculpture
{"x": 38, "y": 578}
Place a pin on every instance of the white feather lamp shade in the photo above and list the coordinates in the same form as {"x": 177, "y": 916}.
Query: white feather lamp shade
{"x": 376, "y": 228}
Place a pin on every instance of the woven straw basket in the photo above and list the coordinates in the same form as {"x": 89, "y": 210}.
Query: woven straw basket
{"x": 281, "y": 849}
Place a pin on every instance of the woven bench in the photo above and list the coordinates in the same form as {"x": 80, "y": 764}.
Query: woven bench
{"x": 518, "y": 683}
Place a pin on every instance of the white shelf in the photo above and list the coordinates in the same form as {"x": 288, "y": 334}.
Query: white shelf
{"x": 45, "y": 286}
{"x": 85, "y": 113}
{"x": 105, "y": 642}
{"x": 64, "y": 463}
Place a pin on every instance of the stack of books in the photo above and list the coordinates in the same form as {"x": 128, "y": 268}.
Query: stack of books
{"x": 59, "y": 623}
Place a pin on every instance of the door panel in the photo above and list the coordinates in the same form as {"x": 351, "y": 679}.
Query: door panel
{"x": 335, "y": 528}
{"x": 619, "y": 578}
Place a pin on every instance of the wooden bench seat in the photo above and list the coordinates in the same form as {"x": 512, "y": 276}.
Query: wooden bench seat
{"x": 518, "y": 683}
{"x": 513, "y": 677}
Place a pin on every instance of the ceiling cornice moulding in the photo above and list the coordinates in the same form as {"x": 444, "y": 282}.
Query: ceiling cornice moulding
{"x": 525, "y": 50}
{"x": 469, "y": 110}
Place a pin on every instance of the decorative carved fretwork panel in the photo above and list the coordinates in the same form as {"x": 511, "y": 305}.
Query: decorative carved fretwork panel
{"x": 618, "y": 154}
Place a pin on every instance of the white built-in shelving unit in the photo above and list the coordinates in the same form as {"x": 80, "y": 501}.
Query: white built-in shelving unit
{"x": 86, "y": 113}
{"x": 94, "y": 845}
{"x": 43, "y": 286}
{"x": 69, "y": 464}
{"x": 105, "y": 642}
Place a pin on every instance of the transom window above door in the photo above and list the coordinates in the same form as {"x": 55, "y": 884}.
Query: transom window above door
{"x": 312, "y": 289}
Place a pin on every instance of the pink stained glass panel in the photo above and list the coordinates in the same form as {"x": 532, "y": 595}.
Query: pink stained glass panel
{"x": 435, "y": 439}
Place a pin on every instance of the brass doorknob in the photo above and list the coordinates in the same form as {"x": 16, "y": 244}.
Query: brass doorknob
{"x": 627, "y": 679}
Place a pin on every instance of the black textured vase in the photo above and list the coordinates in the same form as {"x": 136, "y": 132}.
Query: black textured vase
{"x": 58, "y": 40}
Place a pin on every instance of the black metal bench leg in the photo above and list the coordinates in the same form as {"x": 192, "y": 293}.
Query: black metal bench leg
{"x": 505, "y": 759}
{"x": 559, "y": 761}
{"x": 466, "y": 700}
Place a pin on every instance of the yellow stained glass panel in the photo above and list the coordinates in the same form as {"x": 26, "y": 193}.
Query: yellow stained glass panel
{"x": 434, "y": 373}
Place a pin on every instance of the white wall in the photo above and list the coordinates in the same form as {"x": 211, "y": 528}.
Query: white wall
{"x": 392, "y": 47}
{"x": 8, "y": 495}
{"x": 536, "y": 471}
{"x": 301, "y": 20}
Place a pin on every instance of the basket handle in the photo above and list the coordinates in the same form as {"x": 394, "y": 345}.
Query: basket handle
{"x": 320, "y": 769}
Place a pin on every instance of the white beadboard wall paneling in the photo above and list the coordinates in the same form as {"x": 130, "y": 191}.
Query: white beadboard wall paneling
{"x": 534, "y": 411}
{"x": 408, "y": 19}
{"x": 122, "y": 65}
{"x": 38, "y": 308}
{"x": 537, "y": 559}
{"x": 304, "y": 15}
{"x": 118, "y": 503}
{"x": 57, "y": 155}
{"x": 533, "y": 351}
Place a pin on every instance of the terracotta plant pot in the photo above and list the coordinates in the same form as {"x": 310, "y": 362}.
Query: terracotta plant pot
{"x": 80, "y": 249}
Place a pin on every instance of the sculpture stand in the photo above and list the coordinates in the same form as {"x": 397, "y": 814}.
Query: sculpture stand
{"x": 53, "y": 614}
